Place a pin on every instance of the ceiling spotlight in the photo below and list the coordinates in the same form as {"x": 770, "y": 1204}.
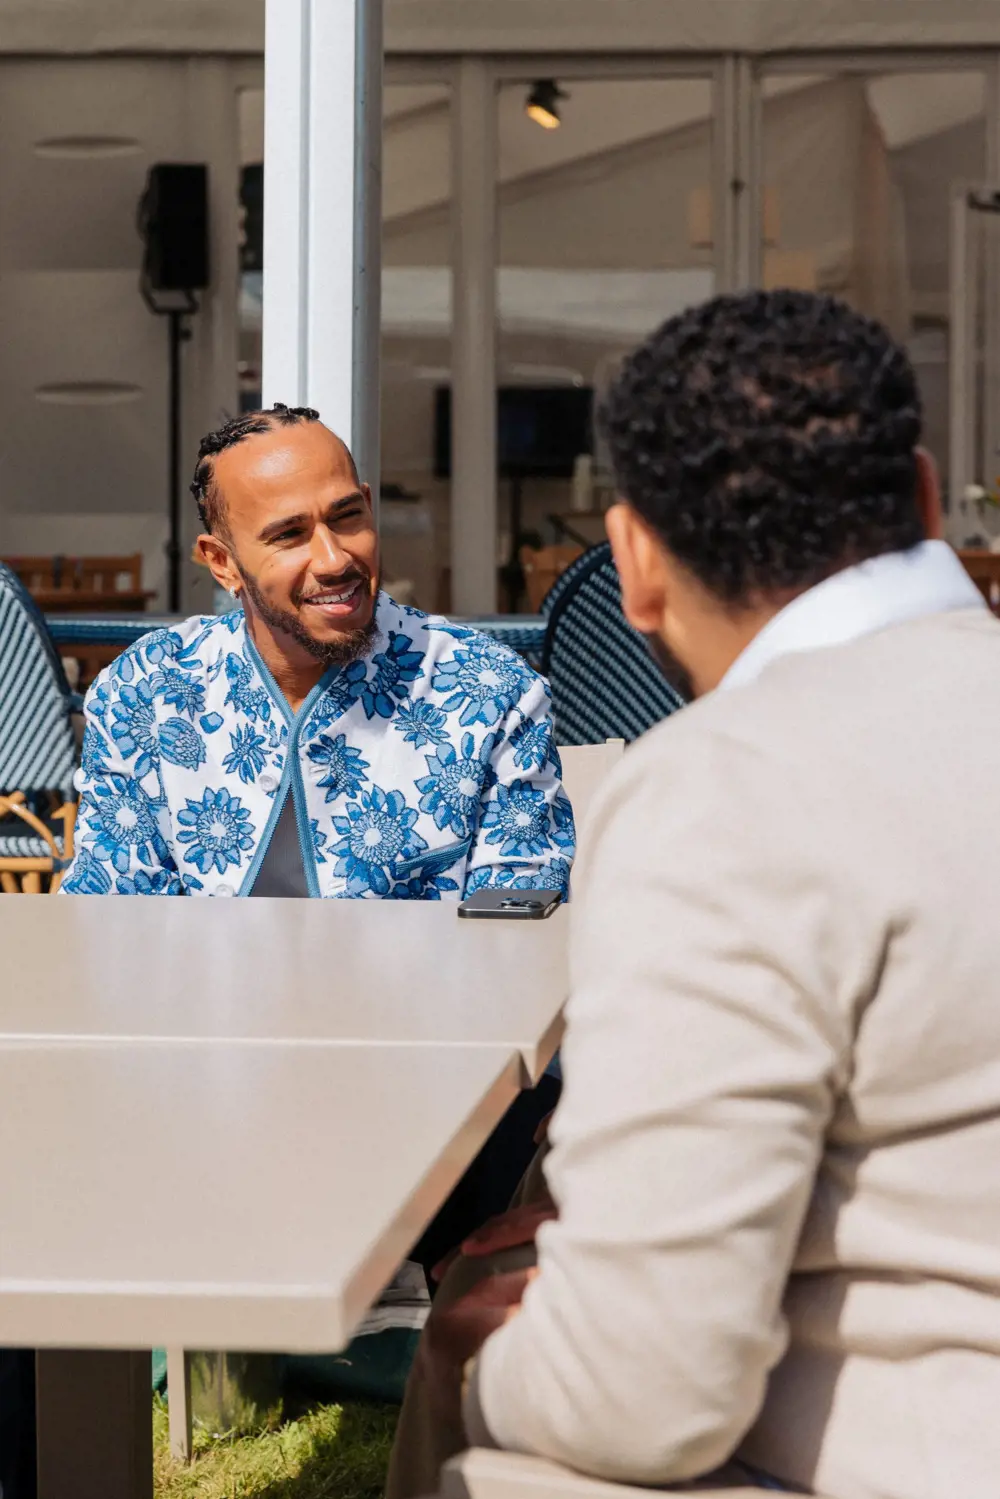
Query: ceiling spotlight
{"x": 543, "y": 103}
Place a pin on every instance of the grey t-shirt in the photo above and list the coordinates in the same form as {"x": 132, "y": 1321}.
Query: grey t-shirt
{"x": 282, "y": 872}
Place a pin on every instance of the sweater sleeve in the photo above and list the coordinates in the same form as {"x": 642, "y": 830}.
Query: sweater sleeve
{"x": 701, "y": 1062}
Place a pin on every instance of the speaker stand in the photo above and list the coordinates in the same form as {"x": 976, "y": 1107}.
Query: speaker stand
{"x": 178, "y": 333}
{"x": 513, "y": 573}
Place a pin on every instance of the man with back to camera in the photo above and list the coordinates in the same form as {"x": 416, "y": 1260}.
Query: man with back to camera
{"x": 320, "y": 740}
{"x": 774, "y": 1226}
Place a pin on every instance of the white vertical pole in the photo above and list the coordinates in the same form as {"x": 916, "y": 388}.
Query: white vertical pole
{"x": 990, "y": 230}
{"x": 322, "y": 149}
{"x": 753, "y": 170}
{"x": 287, "y": 76}
{"x": 725, "y": 164}
{"x": 962, "y": 349}
{"x": 473, "y": 361}
{"x": 749, "y": 209}
{"x": 366, "y": 394}
{"x": 738, "y": 175}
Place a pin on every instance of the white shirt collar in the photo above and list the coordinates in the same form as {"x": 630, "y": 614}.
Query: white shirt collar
{"x": 888, "y": 590}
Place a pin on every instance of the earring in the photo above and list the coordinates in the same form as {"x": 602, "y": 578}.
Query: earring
{"x": 234, "y": 593}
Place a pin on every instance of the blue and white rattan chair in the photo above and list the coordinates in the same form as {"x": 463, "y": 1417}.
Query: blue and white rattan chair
{"x": 38, "y": 752}
{"x": 605, "y": 684}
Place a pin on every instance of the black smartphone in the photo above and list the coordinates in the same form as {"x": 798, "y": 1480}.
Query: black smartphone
{"x": 515, "y": 905}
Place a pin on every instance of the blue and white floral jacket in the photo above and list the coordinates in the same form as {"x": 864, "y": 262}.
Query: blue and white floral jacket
{"x": 424, "y": 769}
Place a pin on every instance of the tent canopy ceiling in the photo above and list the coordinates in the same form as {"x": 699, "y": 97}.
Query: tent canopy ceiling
{"x": 857, "y": 185}
{"x": 601, "y": 117}
{"x": 506, "y": 26}
{"x": 636, "y": 26}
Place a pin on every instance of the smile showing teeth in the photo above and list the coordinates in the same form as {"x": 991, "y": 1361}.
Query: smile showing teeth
{"x": 343, "y": 597}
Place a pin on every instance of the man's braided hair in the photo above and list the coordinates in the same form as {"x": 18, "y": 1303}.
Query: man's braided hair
{"x": 769, "y": 439}
{"x": 210, "y": 504}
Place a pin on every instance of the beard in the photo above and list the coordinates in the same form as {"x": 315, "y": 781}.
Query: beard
{"x": 674, "y": 671}
{"x": 341, "y": 652}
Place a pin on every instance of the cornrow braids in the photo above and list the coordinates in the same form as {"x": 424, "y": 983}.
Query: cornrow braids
{"x": 236, "y": 430}
{"x": 770, "y": 440}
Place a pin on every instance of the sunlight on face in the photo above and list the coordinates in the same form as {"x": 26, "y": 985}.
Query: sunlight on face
{"x": 302, "y": 536}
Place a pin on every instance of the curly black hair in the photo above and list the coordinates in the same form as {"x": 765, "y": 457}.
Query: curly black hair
{"x": 206, "y": 492}
{"x": 769, "y": 439}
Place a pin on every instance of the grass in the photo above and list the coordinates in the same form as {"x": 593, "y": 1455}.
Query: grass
{"x": 330, "y": 1452}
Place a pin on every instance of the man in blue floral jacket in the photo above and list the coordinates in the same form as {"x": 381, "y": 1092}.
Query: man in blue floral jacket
{"x": 320, "y": 740}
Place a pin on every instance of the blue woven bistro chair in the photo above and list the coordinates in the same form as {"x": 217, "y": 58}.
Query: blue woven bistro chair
{"x": 38, "y": 748}
{"x": 605, "y": 684}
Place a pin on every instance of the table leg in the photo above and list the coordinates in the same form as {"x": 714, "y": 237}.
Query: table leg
{"x": 179, "y": 1403}
{"x": 95, "y": 1425}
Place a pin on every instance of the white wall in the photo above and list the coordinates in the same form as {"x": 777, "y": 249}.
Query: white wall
{"x": 450, "y": 27}
{"x": 41, "y": 27}
{"x": 83, "y": 363}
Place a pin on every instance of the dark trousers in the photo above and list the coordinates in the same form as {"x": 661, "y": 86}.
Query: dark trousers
{"x": 492, "y": 1179}
{"x": 17, "y": 1423}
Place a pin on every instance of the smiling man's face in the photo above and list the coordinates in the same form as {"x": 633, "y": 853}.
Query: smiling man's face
{"x": 301, "y": 540}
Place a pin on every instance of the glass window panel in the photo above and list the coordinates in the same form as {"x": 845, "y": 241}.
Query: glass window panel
{"x": 859, "y": 172}
{"x": 416, "y": 339}
{"x": 605, "y": 230}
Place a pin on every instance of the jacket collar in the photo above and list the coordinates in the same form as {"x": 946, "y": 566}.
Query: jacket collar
{"x": 889, "y": 590}
{"x": 383, "y": 605}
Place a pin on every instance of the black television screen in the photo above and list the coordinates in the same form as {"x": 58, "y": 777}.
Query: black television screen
{"x": 541, "y": 430}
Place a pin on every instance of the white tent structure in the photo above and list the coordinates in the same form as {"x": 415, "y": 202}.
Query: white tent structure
{"x": 597, "y": 247}
{"x": 449, "y": 28}
{"x": 705, "y": 144}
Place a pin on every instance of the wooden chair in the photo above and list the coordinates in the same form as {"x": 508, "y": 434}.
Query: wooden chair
{"x": 109, "y": 574}
{"x": 983, "y": 568}
{"x": 34, "y": 851}
{"x": 542, "y": 567}
{"x": 71, "y": 584}
{"x": 38, "y": 574}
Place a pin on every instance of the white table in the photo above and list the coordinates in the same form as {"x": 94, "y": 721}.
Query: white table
{"x": 210, "y": 1194}
{"x": 298, "y": 970}
{"x": 228, "y": 1121}
{"x": 207, "y": 1195}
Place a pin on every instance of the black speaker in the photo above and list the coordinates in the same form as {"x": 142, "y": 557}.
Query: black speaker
{"x": 173, "y": 221}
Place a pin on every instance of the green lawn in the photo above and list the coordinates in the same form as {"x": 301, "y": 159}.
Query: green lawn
{"x": 331, "y": 1452}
